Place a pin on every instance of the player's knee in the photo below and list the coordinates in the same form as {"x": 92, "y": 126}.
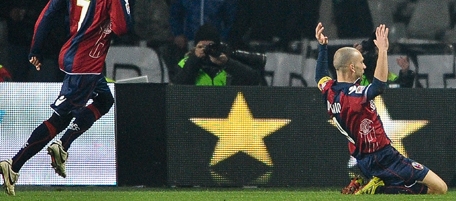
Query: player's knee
{"x": 442, "y": 189}
{"x": 59, "y": 122}
{"x": 435, "y": 184}
{"x": 103, "y": 102}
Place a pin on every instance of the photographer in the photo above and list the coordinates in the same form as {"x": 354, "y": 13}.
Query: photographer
{"x": 207, "y": 64}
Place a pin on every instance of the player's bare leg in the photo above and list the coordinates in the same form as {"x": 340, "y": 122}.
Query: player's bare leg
{"x": 434, "y": 183}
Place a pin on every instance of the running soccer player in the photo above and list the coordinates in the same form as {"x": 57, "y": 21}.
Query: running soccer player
{"x": 91, "y": 24}
{"x": 352, "y": 109}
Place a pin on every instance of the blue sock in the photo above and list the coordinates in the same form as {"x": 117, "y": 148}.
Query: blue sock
{"x": 39, "y": 138}
{"x": 81, "y": 124}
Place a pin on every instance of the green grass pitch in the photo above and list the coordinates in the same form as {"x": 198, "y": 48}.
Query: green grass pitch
{"x": 65, "y": 193}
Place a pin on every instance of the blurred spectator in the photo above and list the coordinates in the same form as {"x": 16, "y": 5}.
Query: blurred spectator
{"x": 352, "y": 18}
{"x": 406, "y": 77}
{"x": 259, "y": 23}
{"x": 302, "y": 19}
{"x": 152, "y": 29}
{"x": 21, "y": 17}
{"x": 151, "y": 26}
{"x": 186, "y": 16}
{"x": 272, "y": 25}
{"x": 151, "y": 21}
{"x": 4, "y": 75}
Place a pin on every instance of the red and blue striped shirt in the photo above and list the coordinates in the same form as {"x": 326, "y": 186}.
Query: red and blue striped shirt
{"x": 352, "y": 109}
{"x": 91, "y": 24}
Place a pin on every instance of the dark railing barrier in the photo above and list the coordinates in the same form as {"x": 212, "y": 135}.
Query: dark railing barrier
{"x": 265, "y": 136}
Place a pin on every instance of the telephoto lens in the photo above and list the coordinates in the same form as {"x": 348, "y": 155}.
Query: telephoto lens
{"x": 250, "y": 58}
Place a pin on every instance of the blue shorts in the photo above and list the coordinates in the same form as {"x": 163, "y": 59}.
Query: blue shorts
{"x": 76, "y": 92}
{"x": 392, "y": 167}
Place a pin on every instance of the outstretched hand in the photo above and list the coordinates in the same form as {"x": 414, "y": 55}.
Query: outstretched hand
{"x": 382, "y": 37}
{"x": 322, "y": 39}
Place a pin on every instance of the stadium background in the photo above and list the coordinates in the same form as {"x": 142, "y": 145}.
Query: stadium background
{"x": 308, "y": 151}
{"x": 155, "y": 143}
{"x": 149, "y": 139}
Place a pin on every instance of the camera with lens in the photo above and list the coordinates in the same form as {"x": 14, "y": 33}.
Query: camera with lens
{"x": 253, "y": 59}
{"x": 213, "y": 49}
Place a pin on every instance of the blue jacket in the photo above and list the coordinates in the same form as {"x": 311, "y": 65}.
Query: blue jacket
{"x": 186, "y": 16}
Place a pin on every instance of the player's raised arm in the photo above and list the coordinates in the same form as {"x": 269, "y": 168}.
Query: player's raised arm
{"x": 381, "y": 71}
{"x": 321, "y": 74}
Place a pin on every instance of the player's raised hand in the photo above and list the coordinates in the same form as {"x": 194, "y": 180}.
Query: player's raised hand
{"x": 36, "y": 63}
{"x": 382, "y": 37}
{"x": 322, "y": 39}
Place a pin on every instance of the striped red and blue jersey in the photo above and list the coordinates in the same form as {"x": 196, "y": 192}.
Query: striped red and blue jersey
{"x": 352, "y": 109}
{"x": 355, "y": 116}
{"x": 91, "y": 25}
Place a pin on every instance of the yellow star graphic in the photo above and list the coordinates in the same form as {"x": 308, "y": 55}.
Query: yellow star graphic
{"x": 396, "y": 130}
{"x": 240, "y": 132}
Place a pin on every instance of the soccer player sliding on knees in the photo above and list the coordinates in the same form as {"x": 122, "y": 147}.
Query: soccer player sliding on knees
{"x": 352, "y": 108}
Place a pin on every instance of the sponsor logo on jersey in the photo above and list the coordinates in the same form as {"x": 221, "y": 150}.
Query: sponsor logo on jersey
{"x": 417, "y": 166}
{"x": 356, "y": 89}
{"x": 359, "y": 89}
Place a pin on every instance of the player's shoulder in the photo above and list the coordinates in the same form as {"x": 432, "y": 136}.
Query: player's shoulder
{"x": 356, "y": 89}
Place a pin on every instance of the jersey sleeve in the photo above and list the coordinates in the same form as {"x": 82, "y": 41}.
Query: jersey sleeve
{"x": 370, "y": 91}
{"x": 121, "y": 22}
{"x": 374, "y": 89}
{"x": 321, "y": 71}
{"x": 43, "y": 26}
